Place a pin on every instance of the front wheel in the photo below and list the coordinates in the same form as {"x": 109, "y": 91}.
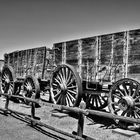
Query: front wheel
{"x": 65, "y": 86}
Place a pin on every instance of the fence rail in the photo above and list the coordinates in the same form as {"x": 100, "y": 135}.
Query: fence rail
{"x": 82, "y": 111}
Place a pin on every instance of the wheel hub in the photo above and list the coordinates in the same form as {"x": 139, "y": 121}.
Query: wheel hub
{"x": 29, "y": 88}
{"x": 7, "y": 80}
{"x": 126, "y": 102}
{"x": 63, "y": 88}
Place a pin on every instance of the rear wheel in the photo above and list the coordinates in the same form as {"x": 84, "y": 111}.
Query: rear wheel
{"x": 124, "y": 99}
{"x": 31, "y": 88}
{"x": 65, "y": 86}
{"x": 97, "y": 102}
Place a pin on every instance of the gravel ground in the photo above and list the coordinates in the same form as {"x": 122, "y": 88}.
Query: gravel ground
{"x": 12, "y": 127}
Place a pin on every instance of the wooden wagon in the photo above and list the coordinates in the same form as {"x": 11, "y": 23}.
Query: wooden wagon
{"x": 103, "y": 70}
{"x": 27, "y": 72}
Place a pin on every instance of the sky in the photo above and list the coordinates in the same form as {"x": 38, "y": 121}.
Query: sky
{"x": 26, "y": 24}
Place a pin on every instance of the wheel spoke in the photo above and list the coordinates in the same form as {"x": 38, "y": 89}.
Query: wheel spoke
{"x": 137, "y": 98}
{"x": 69, "y": 94}
{"x": 124, "y": 113}
{"x": 73, "y": 92}
{"x": 69, "y": 100}
{"x": 69, "y": 77}
{"x": 66, "y": 74}
{"x": 57, "y": 94}
{"x": 136, "y": 114}
{"x": 70, "y": 82}
{"x": 54, "y": 84}
{"x": 58, "y": 99}
{"x": 72, "y": 87}
{"x": 135, "y": 92}
{"x": 117, "y": 96}
{"x": 63, "y": 73}
{"x": 58, "y": 81}
{"x": 99, "y": 100}
{"x": 61, "y": 76}
{"x": 96, "y": 102}
{"x": 131, "y": 88}
{"x": 104, "y": 99}
{"x": 117, "y": 110}
{"x": 125, "y": 89}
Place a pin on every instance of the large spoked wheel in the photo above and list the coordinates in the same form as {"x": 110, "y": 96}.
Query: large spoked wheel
{"x": 7, "y": 80}
{"x": 97, "y": 102}
{"x": 65, "y": 86}
{"x": 124, "y": 99}
{"x": 31, "y": 88}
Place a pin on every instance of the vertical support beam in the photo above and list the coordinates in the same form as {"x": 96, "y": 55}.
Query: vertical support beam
{"x": 35, "y": 61}
{"x": 99, "y": 55}
{"x": 81, "y": 120}
{"x": 126, "y": 45}
{"x": 97, "y": 59}
{"x": 112, "y": 79}
{"x": 80, "y": 58}
{"x": 64, "y": 53}
{"x": 44, "y": 63}
{"x": 53, "y": 49}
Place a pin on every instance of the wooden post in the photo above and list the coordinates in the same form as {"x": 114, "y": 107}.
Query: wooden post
{"x": 6, "y": 105}
{"x": 81, "y": 120}
{"x": 32, "y": 110}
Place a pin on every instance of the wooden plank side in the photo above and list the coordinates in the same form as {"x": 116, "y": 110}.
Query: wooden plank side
{"x": 119, "y": 43}
{"x": 72, "y": 53}
{"x": 58, "y": 53}
{"x": 134, "y": 55}
{"x": 89, "y": 57}
{"x": 49, "y": 64}
{"x": 106, "y": 49}
{"x": 26, "y": 62}
{"x": 105, "y": 57}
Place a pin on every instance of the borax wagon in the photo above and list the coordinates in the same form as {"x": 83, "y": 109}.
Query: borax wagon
{"x": 104, "y": 70}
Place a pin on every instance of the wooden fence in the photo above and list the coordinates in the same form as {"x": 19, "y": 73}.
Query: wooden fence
{"x": 81, "y": 111}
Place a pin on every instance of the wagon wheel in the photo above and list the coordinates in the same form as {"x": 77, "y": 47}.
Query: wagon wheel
{"x": 31, "y": 88}
{"x": 97, "y": 102}
{"x": 7, "y": 80}
{"x": 124, "y": 99}
{"x": 65, "y": 86}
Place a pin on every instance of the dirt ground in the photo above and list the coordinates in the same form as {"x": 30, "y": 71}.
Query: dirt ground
{"x": 14, "y": 127}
